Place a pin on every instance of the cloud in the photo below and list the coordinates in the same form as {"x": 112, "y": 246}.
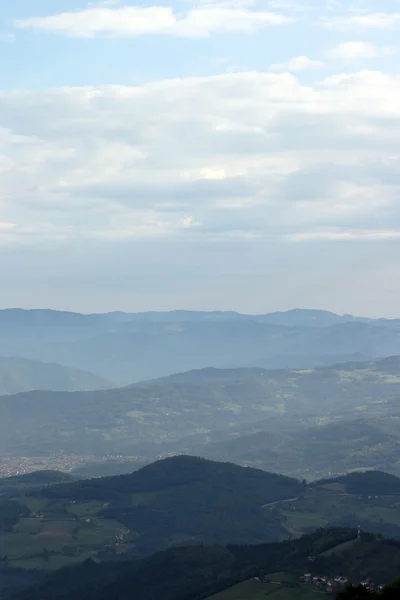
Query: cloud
{"x": 348, "y": 236}
{"x": 266, "y": 158}
{"x": 363, "y": 21}
{"x": 126, "y": 21}
{"x": 288, "y": 5}
{"x": 360, "y": 51}
{"x": 297, "y": 64}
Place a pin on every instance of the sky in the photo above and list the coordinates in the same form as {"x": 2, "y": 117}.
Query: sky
{"x": 206, "y": 154}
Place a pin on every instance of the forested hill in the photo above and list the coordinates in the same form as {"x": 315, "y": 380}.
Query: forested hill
{"x": 199, "y": 572}
{"x": 363, "y": 483}
{"x": 37, "y": 480}
{"x": 188, "y": 500}
{"x": 178, "y": 471}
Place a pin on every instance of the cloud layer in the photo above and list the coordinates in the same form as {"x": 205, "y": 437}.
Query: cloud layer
{"x": 266, "y": 156}
{"x": 124, "y": 21}
{"x": 278, "y": 180}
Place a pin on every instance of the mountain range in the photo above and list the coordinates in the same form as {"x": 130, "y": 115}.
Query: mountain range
{"x": 131, "y": 347}
{"x": 299, "y": 422}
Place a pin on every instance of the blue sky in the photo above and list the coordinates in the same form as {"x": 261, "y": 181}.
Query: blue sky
{"x": 231, "y": 154}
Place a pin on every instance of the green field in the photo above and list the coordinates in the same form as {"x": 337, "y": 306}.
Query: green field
{"x": 257, "y": 590}
{"x": 325, "y": 508}
{"x": 84, "y": 509}
{"x": 34, "y": 503}
{"x": 68, "y": 533}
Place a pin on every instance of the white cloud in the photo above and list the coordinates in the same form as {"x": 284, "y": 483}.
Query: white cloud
{"x": 364, "y": 21}
{"x": 360, "y": 50}
{"x": 297, "y": 64}
{"x": 200, "y": 21}
{"x": 121, "y": 162}
{"x": 288, "y": 5}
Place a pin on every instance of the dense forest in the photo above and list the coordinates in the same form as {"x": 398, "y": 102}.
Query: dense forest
{"x": 188, "y": 499}
{"x": 200, "y": 571}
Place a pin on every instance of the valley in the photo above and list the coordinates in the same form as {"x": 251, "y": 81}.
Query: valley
{"x": 303, "y": 423}
{"x": 235, "y": 476}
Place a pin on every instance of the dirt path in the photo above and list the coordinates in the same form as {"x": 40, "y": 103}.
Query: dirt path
{"x": 280, "y": 502}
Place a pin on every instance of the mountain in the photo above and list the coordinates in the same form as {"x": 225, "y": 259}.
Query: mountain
{"x": 177, "y": 501}
{"x": 181, "y": 501}
{"x": 152, "y": 418}
{"x": 201, "y": 572}
{"x": 310, "y": 318}
{"x": 288, "y": 361}
{"x": 187, "y": 499}
{"x": 22, "y": 375}
{"x": 127, "y": 348}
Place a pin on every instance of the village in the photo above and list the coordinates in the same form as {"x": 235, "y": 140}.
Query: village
{"x": 334, "y": 584}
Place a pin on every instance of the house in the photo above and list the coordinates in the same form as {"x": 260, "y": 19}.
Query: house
{"x": 368, "y": 584}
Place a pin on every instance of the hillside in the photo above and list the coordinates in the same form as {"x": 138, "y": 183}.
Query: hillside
{"x": 144, "y": 418}
{"x": 370, "y": 499}
{"x": 364, "y": 483}
{"x": 205, "y": 572}
{"x": 187, "y": 499}
{"x": 125, "y": 348}
{"x": 310, "y": 452}
{"x": 183, "y": 500}
{"x": 180, "y": 500}
{"x": 38, "y": 479}
{"x": 22, "y": 375}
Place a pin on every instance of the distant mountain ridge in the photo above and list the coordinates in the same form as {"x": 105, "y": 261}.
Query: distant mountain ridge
{"x": 23, "y": 375}
{"x": 129, "y": 347}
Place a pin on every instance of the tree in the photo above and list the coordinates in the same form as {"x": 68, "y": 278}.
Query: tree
{"x": 391, "y": 592}
{"x": 358, "y": 592}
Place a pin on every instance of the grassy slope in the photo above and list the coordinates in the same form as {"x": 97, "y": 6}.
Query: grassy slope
{"x": 371, "y": 499}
